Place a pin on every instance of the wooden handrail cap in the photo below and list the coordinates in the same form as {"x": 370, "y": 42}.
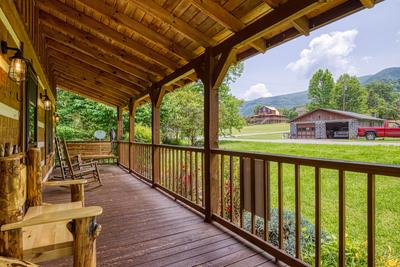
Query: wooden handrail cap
{"x": 57, "y": 216}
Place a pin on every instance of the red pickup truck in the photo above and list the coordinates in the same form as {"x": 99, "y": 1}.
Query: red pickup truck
{"x": 390, "y": 129}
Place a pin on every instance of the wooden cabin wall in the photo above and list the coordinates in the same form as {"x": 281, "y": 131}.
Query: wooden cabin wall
{"x": 9, "y": 105}
{"x": 11, "y": 109}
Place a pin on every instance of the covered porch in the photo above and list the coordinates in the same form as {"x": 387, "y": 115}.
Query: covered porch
{"x": 144, "y": 227}
{"x": 164, "y": 204}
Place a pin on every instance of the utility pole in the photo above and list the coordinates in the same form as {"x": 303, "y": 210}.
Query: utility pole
{"x": 344, "y": 97}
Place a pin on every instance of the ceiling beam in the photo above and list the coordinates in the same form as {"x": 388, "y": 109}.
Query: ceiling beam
{"x": 226, "y": 19}
{"x": 178, "y": 24}
{"x": 85, "y": 92}
{"x": 100, "y": 81}
{"x": 142, "y": 78}
{"x": 155, "y": 37}
{"x": 275, "y": 3}
{"x": 100, "y": 44}
{"x": 95, "y": 88}
{"x": 288, "y": 11}
{"x": 302, "y": 24}
{"x": 368, "y": 3}
{"x": 90, "y": 60}
{"x": 284, "y": 13}
{"x": 62, "y": 59}
{"x": 108, "y": 32}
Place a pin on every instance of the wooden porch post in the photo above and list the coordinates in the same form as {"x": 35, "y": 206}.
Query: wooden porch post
{"x": 120, "y": 130}
{"x": 34, "y": 183}
{"x": 212, "y": 73}
{"x": 132, "y": 110}
{"x": 156, "y": 98}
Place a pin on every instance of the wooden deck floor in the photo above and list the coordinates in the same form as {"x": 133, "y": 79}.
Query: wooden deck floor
{"x": 143, "y": 227}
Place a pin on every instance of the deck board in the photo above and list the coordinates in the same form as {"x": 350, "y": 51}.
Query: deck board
{"x": 143, "y": 227}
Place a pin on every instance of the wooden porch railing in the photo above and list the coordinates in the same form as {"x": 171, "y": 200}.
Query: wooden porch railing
{"x": 244, "y": 195}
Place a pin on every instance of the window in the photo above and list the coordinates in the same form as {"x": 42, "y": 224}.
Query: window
{"x": 49, "y": 131}
{"x": 31, "y": 87}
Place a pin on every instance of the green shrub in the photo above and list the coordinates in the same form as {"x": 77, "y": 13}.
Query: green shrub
{"x": 356, "y": 253}
{"x": 142, "y": 134}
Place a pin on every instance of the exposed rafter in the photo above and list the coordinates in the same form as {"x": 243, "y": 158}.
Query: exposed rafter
{"x": 150, "y": 35}
{"x": 225, "y": 18}
{"x": 102, "y": 29}
{"x": 89, "y": 60}
{"x": 302, "y": 24}
{"x": 368, "y": 3}
{"x": 177, "y": 23}
{"x": 100, "y": 44}
{"x": 98, "y": 55}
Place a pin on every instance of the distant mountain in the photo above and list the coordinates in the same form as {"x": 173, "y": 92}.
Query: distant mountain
{"x": 280, "y": 101}
{"x": 301, "y": 99}
{"x": 384, "y": 75}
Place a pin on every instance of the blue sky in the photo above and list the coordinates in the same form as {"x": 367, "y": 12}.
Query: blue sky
{"x": 361, "y": 44}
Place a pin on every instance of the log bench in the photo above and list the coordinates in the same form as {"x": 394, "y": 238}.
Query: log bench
{"x": 49, "y": 232}
{"x": 92, "y": 150}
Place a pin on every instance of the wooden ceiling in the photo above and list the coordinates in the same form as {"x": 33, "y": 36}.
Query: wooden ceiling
{"x": 112, "y": 50}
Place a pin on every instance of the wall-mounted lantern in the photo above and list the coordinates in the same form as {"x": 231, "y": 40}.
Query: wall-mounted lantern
{"x": 46, "y": 100}
{"x": 17, "y": 70}
{"x": 57, "y": 118}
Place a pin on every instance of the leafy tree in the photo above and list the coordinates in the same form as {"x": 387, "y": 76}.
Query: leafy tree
{"x": 256, "y": 108}
{"x": 290, "y": 113}
{"x": 349, "y": 94}
{"x": 383, "y": 100}
{"x": 320, "y": 90}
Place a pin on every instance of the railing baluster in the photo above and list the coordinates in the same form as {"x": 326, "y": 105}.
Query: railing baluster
{"x": 173, "y": 170}
{"x": 241, "y": 178}
{"x": 202, "y": 179}
{"x": 280, "y": 205}
{"x": 196, "y": 171}
{"x": 317, "y": 216}
{"x": 222, "y": 186}
{"x": 191, "y": 175}
{"x": 181, "y": 171}
{"x": 185, "y": 176}
{"x": 266, "y": 201}
{"x": 371, "y": 219}
{"x": 298, "y": 210}
{"x": 342, "y": 219}
{"x": 230, "y": 186}
{"x": 253, "y": 194}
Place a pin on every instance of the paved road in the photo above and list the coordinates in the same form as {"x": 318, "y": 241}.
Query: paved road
{"x": 251, "y": 134}
{"x": 316, "y": 141}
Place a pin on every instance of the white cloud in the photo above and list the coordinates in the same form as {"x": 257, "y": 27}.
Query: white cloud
{"x": 330, "y": 51}
{"x": 256, "y": 91}
{"x": 398, "y": 37}
{"x": 366, "y": 59}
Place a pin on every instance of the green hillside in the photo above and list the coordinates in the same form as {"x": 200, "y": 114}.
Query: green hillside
{"x": 280, "y": 101}
{"x": 300, "y": 98}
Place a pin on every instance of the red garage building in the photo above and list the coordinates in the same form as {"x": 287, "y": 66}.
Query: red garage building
{"x": 330, "y": 123}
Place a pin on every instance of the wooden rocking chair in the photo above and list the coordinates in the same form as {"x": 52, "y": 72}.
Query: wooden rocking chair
{"x": 81, "y": 170}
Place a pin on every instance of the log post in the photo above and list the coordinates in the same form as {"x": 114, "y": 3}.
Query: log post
{"x": 120, "y": 130}
{"x": 155, "y": 135}
{"x": 132, "y": 111}
{"x": 78, "y": 193}
{"x": 86, "y": 230}
{"x": 34, "y": 183}
{"x": 12, "y": 201}
{"x": 212, "y": 73}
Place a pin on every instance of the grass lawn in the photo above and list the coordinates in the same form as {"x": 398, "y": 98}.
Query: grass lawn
{"x": 387, "y": 189}
{"x": 264, "y": 128}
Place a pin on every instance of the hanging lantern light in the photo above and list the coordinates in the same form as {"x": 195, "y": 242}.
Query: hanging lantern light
{"x": 46, "y": 100}
{"x": 17, "y": 70}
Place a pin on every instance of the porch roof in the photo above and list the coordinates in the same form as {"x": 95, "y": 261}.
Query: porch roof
{"x": 113, "y": 50}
